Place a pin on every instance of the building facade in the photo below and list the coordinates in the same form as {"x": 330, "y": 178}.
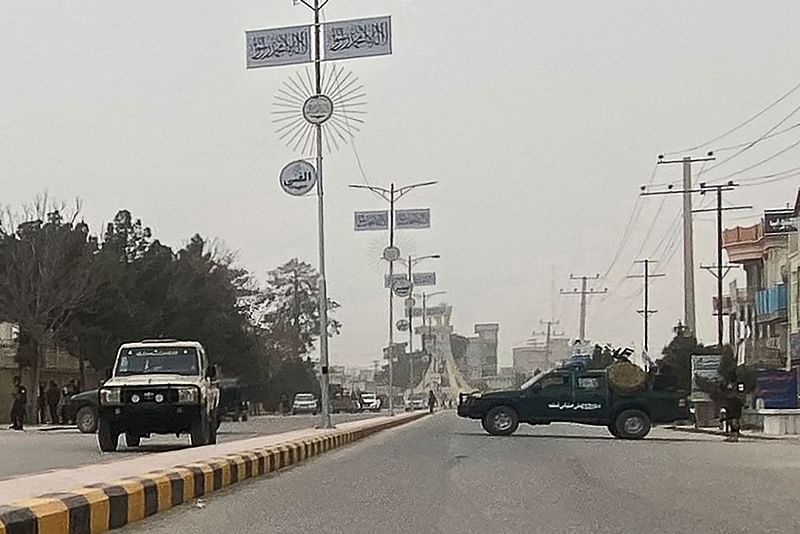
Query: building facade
{"x": 481, "y": 353}
{"x": 759, "y": 314}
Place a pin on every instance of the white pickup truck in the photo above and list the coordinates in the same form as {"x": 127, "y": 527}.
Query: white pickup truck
{"x": 159, "y": 386}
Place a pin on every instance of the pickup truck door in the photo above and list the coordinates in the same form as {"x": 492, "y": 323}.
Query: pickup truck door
{"x": 549, "y": 399}
{"x": 591, "y": 397}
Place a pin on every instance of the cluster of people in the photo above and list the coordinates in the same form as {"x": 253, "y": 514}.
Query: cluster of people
{"x": 50, "y": 402}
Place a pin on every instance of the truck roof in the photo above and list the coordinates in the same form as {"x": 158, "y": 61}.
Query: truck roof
{"x": 160, "y": 342}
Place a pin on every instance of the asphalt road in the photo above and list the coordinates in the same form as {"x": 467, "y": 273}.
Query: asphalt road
{"x": 443, "y": 475}
{"x": 36, "y": 451}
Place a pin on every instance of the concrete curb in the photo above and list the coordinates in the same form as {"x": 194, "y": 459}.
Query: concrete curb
{"x": 103, "y": 507}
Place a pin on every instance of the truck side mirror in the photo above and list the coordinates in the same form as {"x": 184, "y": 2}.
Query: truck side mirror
{"x": 107, "y": 373}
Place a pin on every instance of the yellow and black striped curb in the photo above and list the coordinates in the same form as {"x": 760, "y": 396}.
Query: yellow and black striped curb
{"x": 102, "y": 507}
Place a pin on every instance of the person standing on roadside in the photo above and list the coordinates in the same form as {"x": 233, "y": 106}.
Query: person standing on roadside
{"x": 431, "y": 401}
{"x": 19, "y": 405}
{"x": 733, "y": 413}
{"x": 41, "y": 404}
{"x": 53, "y": 396}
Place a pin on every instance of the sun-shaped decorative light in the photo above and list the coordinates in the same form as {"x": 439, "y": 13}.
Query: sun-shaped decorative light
{"x": 343, "y": 90}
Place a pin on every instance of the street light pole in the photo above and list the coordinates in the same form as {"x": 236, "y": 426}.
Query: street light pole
{"x": 391, "y": 195}
{"x": 391, "y": 302}
{"x": 410, "y": 263}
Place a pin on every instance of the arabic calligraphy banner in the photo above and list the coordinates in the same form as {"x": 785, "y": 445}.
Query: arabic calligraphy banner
{"x": 779, "y": 222}
{"x": 412, "y": 219}
{"x": 420, "y": 279}
{"x": 278, "y": 46}
{"x": 432, "y": 311}
{"x": 347, "y": 39}
{"x": 371, "y": 220}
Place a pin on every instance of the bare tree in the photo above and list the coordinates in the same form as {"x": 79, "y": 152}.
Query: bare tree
{"x": 45, "y": 275}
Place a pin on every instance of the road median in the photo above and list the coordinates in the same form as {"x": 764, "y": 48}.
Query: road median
{"x": 101, "y": 504}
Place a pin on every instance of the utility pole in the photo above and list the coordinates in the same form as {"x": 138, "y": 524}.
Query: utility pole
{"x": 721, "y": 270}
{"x": 690, "y": 315}
{"x": 548, "y": 335}
{"x": 646, "y": 312}
{"x": 583, "y": 292}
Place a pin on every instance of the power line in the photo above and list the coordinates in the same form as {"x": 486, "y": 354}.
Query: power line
{"x": 763, "y": 161}
{"x": 745, "y": 143}
{"x": 751, "y": 144}
{"x": 738, "y": 126}
{"x": 632, "y": 219}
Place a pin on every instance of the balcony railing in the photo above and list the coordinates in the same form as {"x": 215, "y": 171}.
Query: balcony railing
{"x": 771, "y": 303}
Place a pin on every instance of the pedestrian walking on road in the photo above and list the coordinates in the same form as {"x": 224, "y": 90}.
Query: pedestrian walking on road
{"x": 19, "y": 405}
{"x": 431, "y": 401}
{"x": 53, "y": 397}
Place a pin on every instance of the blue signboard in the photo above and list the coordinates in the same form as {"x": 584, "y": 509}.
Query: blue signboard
{"x": 777, "y": 388}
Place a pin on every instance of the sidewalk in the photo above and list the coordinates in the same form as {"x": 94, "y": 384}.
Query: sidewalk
{"x": 746, "y": 434}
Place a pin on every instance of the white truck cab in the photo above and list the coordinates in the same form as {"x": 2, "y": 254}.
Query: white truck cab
{"x": 160, "y": 386}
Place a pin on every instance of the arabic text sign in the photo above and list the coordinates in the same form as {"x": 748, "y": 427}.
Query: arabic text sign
{"x": 298, "y": 177}
{"x": 278, "y": 46}
{"x": 424, "y": 279}
{"x": 371, "y": 220}
{"x": 779, "y": 222}
{"x": 412, "y": 219}
{"x": 347, "y": 39}
{"x": 420, "y": 279}
{"x": 432, "y": 311}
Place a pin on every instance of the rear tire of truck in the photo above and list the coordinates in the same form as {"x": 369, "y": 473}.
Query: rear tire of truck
{"x": 199, "y": 432}
{"x": 501, "y": 421}
{"x": 132, "y": 440}
{"x": 107, "y": 437}
{"x": 86, "y": 420}
{"x": 632, "y": 424}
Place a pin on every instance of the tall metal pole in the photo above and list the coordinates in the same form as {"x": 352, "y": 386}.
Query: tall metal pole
{"x": 688, "y": 249}
{"x": 424, "y": 320}
{"x": 583, "y": 309}
{"x": 410, "y": 333}
{"x": 719, "y": 268}
{"x": 323, "y": 287}
{"x": 646, "y": 304}
{"x": 391, "y": 302}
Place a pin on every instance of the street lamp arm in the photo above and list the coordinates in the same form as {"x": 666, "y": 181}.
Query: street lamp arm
{"x": 405, "y": 189}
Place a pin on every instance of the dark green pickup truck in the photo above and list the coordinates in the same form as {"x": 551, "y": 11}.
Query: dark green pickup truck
{"x": 574, "y": 396}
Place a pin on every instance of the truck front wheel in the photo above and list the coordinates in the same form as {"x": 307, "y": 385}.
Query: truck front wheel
{"x": 501, "y": 421}
{"x": 632, "y": 424}
{"x": 107, "y": 436}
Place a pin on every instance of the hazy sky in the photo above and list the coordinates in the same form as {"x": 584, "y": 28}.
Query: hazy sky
{"x": 539, "y": 119}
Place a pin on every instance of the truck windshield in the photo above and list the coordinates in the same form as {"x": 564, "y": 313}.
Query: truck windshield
{"x": 158, "y": 360}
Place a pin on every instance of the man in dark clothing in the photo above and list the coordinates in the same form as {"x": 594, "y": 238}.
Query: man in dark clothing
{"x": 41, "y": 404}
{"x": 20, "y": 402}
{"x": 733, "y": 414}
{"x": 431, "y": 401}
{"x": 53, "y": 396}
